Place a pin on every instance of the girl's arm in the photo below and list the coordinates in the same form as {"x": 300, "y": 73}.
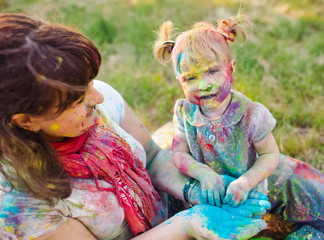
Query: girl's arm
{"x": 265, "y": 164}
{"x": 183, "y": 160}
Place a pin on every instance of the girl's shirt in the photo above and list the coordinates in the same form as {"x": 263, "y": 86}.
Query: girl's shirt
{"x": 24, "y": 217}
{"x": 225, "y": 143}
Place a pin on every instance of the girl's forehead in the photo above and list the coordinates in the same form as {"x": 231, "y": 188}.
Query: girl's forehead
{"x": 193, "y": 68}
{"x": 187, "y": 61}
{"x": 191, "y": 65}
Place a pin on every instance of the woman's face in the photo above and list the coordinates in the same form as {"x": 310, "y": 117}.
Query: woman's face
{"x": 74, "y": 121}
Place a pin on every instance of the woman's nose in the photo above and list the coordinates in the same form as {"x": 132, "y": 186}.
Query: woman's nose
{"x": 93, "y": 97}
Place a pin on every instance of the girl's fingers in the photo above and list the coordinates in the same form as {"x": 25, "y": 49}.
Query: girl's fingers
{"x": 243, "y": 199}
{"x": 231, "y": 202}
{"x": 228, "y": 197}
{"x": 217, "y": 198}
{"x": 205, "y": 196}
{"x": 211, "y": 200}
{"x": 222, "y": 192}
{"x": 237, "y": 201}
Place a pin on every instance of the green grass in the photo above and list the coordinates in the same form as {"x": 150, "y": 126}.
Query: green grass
{"x": 281, "y": 65}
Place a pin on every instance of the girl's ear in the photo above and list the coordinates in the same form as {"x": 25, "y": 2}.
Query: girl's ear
{"x": 233, "y": 66}
{"x": 25, "y": 121}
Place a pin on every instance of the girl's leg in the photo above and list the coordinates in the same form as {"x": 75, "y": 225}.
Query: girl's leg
{"x": 296, "y": 191}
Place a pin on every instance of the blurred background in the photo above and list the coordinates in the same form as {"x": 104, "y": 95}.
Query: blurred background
{"x": 281, "y": 65}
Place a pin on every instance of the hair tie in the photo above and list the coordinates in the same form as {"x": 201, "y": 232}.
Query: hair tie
{"x": 170, "y": 44}
{"x": 222, "y": 28}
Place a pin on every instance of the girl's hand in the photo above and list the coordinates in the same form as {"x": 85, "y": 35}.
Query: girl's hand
{"x": 237, "y": 192}
{"x": 212, "y": 187}
{"x": 210, "y": 222}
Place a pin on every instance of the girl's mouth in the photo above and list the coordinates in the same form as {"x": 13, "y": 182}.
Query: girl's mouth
{"x": 208, "y": 96}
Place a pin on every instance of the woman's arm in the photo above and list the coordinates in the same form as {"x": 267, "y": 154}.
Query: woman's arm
{"x": 71, "y": 229}
{"x": 199, "y": 222}
{"x": 164, "y": 175}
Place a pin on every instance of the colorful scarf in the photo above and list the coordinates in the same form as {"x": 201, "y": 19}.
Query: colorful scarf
{"x": 102, "y": 154}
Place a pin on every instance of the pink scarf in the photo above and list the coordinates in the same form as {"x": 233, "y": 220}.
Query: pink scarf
{"x": 103, "y": 155}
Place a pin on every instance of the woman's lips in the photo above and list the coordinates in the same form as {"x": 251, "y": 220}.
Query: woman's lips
{"x": 208, "y": 96}
{"x": 90, "y": 112}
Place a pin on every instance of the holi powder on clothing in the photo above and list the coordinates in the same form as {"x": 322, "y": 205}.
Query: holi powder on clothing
{"x": 55, "y": 127}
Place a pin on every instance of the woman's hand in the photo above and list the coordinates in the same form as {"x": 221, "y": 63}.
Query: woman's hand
{"x": 209, "y": 222}
{"x": 237, "y": 192}
{"x": 212, "y": 186}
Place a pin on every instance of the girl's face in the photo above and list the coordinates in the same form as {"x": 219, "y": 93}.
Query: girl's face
{"x": 208, "y": 83}
{"x": 72, "y": 122}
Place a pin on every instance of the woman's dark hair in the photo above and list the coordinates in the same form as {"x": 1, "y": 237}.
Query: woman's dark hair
{"x": 41, "y": 65}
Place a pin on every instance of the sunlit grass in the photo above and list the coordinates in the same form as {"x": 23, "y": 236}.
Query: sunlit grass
{"x": 281, "y": 65}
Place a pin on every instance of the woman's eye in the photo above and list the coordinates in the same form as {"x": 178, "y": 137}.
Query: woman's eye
{"x": 212, "y": 71}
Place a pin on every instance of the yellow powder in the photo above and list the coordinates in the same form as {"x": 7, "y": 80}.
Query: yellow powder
{"x": 55, "y": 127}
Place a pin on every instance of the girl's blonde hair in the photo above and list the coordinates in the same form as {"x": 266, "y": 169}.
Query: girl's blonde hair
{"x": 203, "y": 41}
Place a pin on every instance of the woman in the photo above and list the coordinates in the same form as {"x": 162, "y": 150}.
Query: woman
{"x": 73, "y": 154}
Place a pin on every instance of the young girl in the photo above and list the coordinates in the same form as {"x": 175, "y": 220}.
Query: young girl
{"x": 218, "y": 130}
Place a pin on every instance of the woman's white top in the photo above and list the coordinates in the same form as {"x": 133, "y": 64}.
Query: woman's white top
{"x": 24, "y": 217}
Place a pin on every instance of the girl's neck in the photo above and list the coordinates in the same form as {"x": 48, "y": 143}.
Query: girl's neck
{"x": 219, "y": 110}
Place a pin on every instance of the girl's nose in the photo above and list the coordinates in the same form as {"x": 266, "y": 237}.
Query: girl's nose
{"x": 93, "y": 97}
{"x": 204, "y": 85}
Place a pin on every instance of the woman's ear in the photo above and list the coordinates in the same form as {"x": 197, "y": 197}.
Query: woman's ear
{"x": 25, "y": 121}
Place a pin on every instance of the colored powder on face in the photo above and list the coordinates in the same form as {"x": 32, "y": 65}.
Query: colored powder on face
{"x": 55, "y": 127}
{"x": 179, "y": 62}
{"x": 216, "y": 85}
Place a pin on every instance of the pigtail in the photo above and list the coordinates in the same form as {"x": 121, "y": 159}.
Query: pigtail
{"x": 232, "y": 27}
{"x": 163, "y": 45}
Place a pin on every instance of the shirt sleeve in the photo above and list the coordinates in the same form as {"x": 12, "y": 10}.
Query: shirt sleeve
{"x": 113, "y": 104}
{"x": 260, "y": 121}
{"x": 24, "y": 217}
{"x": 178, "y": 116}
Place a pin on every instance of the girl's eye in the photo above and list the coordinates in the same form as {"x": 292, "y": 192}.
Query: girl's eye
{"x": 81, "y": 100}
{"x": 190, "y": 78}
{"x": 212, "y": 71}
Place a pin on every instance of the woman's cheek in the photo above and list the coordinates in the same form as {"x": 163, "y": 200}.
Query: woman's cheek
{"x": 55, "y": 127}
